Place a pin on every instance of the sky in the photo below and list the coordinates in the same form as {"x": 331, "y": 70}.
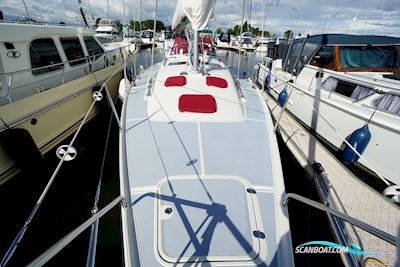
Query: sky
{"x": 378, "y": 17}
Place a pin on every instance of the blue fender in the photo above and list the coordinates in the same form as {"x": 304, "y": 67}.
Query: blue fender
{"x": 359, "y": 139}
{"x": 282, "y": 97}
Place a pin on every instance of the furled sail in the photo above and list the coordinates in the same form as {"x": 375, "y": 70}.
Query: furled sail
{"x": 198, "y": 13}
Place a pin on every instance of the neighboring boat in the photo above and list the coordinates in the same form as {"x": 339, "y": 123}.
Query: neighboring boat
{"x": 168, "y": 39}
{"x": 200, "y": 169}
{"x": 246, "y": 41}
{"x": 47, "y": 76}
{"x": 107, "y": 31}
{"x": 147, "y": 36}
{"x": 340, "y": 83}
{"x": 223, "y": 40}
{"x": 263, "y": 43}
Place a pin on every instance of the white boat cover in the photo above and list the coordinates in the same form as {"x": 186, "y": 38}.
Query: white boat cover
{"x": 197, "y": 12}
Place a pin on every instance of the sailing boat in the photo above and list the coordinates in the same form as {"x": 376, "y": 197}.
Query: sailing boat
{"x": 199, "y": 163}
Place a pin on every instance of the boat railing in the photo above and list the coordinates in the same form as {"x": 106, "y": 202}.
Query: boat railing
{"x": 289, "y": 83}
{"x": 360, "y": 224}
{"x": 68, "y": 153}
{"x": 7, "y": 79}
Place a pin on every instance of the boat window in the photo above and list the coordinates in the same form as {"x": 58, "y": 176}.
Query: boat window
{"x": 306, "y": 52}
{"x": 369, "y": 57}
{"x": 324, "y": 58}
{"x": 73, "y": 50}
{"x": 354, "y": 91}
{"x": 43, "y": 52}
{"x": 389, "y": 103}
{"x": 93, "y": 48}
{"x": 246, "y": 41}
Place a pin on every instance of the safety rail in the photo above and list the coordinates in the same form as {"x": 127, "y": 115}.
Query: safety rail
{"x": 65, "y": 153}
{"x": 63, "y": 242}
{"x": 362, "y": 225}
{"x": 90, "y": 62}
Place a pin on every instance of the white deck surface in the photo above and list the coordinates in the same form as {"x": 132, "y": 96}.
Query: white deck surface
{"x": 350, "y": 195}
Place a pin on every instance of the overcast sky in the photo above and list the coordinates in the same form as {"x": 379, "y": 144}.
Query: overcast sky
{"x": 379, "y": 17}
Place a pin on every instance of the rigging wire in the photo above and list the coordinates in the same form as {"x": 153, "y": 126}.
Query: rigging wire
{"x": 27, "y": 12}
{"x": 240, "y": 41}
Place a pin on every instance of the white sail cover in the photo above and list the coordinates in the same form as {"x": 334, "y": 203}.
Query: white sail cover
{"x": 197, "y": 12}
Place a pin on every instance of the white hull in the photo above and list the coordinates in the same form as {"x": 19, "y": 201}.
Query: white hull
{"x": 345, "y": 116}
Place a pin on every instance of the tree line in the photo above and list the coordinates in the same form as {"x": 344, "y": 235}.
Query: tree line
{"x": 255, "y": 31}
{"x": 137, "y": 25}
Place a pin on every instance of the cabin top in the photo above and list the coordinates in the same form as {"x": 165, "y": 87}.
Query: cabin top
{"x": 188, "y": 96}
{"x": 23, "y": 32}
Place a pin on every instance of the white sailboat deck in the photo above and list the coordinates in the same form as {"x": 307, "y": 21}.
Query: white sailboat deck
{"x": 345, "y": 192}
{"x": 206, "y": 187}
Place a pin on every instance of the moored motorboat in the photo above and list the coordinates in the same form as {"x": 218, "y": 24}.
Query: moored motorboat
{"x": 46, "y": 86}
{"x": 341, "y": 83}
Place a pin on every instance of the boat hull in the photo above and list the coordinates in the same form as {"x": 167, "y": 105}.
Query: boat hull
{"x": 343, "y": 116}
{"x": 53, "y": 115}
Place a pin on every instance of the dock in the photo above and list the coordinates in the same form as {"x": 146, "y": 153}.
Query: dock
{"x": 235, "y": 48}
{"x": 341, "y": 190}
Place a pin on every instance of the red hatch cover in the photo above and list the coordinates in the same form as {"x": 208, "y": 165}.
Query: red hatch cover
{"x": 197, "y": 103}
{"x": 215, "y": 81}
{"x": 175, "y": 81}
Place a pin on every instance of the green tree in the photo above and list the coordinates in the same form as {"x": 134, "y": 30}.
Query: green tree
{"x": 149, "y": 25}
{"x": 246, "y": 27}
{"x": 119, "y": 26}
{"x": 135, "y": 25}
{"x": 218, "y": 31}
{"x": 97, "y": 21}
{"x": 236, "y": 30}
{"x": 267, "y": 34}
{"x": 229, "y": 31}
{"x": 288, "y": 34}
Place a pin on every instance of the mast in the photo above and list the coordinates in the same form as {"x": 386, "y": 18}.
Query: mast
{"x": 27, "y": 12}
{"x": 262, "y": 24}
{"x": 83, "y": 14}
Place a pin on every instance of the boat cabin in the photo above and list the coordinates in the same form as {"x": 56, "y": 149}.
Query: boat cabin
{"x": 35, "y": 58}
{"x": 345, "y": 53}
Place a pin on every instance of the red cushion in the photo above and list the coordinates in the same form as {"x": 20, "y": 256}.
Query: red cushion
{"x": 215, "y": 81}
{"x": 197, "y": 103}
{"x": 175, "y": 81}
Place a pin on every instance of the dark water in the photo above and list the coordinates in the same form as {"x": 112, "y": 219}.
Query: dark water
{"x": 71, "y": 197}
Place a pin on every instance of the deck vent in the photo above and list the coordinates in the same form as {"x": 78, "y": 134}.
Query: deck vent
{"x": 197, "y": 103}
{"x": 9, "y": 45}
{"x": 216, "y": 81}
{"x": 175, "y": 81}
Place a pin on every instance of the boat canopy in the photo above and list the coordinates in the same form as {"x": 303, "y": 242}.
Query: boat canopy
{"x": 348, "y": 39}
{"x": 198, "y": 13}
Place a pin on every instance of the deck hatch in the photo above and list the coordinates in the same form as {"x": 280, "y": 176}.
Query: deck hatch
{"x": 197, "y": 228}
{"x": 197, "y": 103}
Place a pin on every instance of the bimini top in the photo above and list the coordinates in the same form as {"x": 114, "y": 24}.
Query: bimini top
{"x": 348, "y": 39}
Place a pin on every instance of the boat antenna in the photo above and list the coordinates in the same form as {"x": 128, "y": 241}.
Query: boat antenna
{"x": 154, "y": 35}
{"x": 140, "y": 15}
{"x": 323, "y": 28}
{"x": 262, "y": 24}
{"x": 352, "y": 24}
{"x": 83, "y": 13}
{"x": 91, "y": 11}
{"x": 107, "y": 10}
{"x": 240, "y": 42}
{"x": 27, "y": 12}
